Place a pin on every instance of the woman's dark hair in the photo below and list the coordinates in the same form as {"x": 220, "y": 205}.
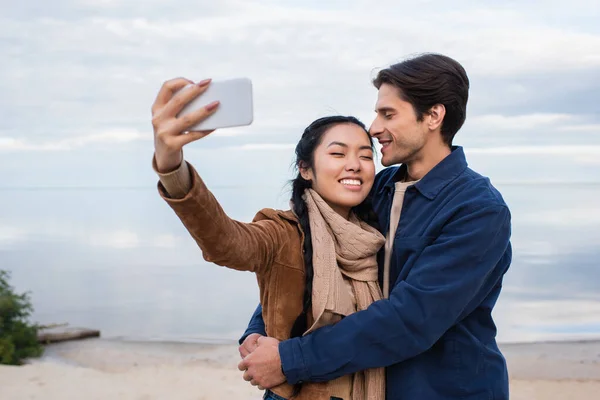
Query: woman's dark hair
{"x": 427, "y": 80}
{"x": 305, "y": 150}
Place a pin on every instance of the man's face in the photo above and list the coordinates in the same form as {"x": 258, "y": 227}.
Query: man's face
{"x": 396, "y": 128}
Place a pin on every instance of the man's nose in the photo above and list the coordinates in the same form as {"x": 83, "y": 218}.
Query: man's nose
{"x": 375, "y": 128}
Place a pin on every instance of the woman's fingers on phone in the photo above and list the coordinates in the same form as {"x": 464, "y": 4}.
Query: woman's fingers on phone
{"x": 173, "y": 130}
{"x": 183, "y": 97}
{"x": 166, "y": 92}
{"x": 186, "y": 121}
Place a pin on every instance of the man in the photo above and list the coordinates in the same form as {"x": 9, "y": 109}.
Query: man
{"x": 448, "y": 248}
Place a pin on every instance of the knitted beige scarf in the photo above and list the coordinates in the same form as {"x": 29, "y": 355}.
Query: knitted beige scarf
{"x": 344, "y": 248}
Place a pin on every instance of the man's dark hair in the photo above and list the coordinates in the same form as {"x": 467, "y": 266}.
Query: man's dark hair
{"x": 427, "y": 80}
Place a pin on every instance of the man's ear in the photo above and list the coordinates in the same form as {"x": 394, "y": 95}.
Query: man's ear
{"x": 436, "y": 116}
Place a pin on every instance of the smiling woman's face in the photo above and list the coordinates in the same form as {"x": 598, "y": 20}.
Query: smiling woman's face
{"x": 343, "y": 170}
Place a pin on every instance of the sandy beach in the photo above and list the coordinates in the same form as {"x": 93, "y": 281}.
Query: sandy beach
{"x": 111, "y": 369}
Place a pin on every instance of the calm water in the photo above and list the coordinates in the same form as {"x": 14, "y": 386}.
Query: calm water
{"x": 119, "y": 260}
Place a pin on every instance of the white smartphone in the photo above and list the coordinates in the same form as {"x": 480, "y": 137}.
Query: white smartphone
{"x": 235, "y": 108}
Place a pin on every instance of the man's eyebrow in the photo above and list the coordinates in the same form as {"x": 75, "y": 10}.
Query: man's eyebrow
{"x": 385, "y": 109}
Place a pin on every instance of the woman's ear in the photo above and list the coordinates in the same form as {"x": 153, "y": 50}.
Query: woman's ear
{"x": 305, "y": 171}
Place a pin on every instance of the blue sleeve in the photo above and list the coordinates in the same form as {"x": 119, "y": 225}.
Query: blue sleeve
{"x": 256, "y": 325}
{"x": 448, "y": 280}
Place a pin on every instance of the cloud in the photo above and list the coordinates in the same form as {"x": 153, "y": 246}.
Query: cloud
{"x": 591, "y": 160}
{"x": 102, "y": 63}
{"x": 121, "y": 239}
{"x": 167, "y": 241}
{"x": 590, "y": 128}
{"x": 520, "y": 122}
{"x": 85, "y": 69}
{"x": 264, "y": 146}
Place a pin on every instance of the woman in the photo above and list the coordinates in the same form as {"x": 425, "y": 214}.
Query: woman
{"x": 314, "y": 263}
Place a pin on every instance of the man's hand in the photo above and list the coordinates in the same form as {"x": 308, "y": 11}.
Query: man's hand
{"x": 249, "y": 345}
{"x": 262, "y": 367}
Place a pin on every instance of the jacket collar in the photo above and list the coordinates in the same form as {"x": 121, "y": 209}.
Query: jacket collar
{"x": 439, "y": 177}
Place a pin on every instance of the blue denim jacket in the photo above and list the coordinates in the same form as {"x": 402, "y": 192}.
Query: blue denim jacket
{"x": 435, "y": 334}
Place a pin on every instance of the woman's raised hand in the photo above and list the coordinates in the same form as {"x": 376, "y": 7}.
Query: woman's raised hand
{"x": 171, "y": 132}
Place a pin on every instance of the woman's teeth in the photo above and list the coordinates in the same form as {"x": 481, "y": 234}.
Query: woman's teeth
{"x": 351, "y": 182}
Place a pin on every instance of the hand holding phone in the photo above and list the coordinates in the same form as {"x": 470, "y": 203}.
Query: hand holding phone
{"x": 235, "y": 104}
{"x": 184, "y": 112}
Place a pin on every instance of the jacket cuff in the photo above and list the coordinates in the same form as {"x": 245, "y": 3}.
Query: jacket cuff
{"x": 256, "y": 325}
{"x": 292, "y": 361}
{"x": 176, "y": 183}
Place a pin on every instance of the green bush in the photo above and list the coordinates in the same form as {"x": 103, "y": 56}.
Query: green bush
{"x": 18, "y": 338}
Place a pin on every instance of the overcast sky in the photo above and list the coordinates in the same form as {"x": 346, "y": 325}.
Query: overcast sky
{"x": 78, "y": 77}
